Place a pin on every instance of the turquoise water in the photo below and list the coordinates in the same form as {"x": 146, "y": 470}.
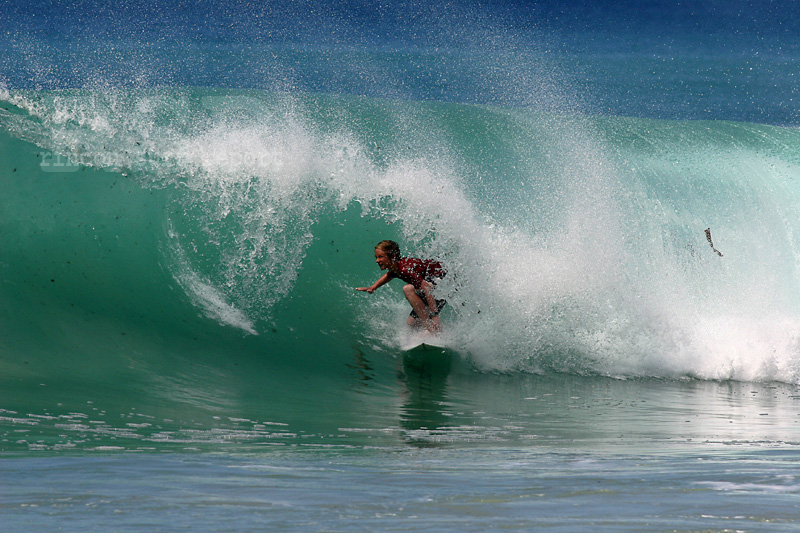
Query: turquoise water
{"x": 187, "y": 210}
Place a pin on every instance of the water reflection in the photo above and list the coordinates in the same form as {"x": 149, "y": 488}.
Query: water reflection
{"x": 424, "y": 414}
{"x": 567, "y": 410}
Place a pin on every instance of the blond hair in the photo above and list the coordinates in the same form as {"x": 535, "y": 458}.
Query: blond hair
{"x": 391, "y": 248}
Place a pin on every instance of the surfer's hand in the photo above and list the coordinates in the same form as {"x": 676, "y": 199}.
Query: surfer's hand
{"x": 366, "y": 289}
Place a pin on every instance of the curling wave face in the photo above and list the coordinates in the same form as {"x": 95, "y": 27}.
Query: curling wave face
{"x": 578, "y": 243}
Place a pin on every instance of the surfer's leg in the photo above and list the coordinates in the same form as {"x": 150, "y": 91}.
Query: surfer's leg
{"x": 416, "y": 302}
{"x": 432, "y": 325}
{"x": 421, "y": 310}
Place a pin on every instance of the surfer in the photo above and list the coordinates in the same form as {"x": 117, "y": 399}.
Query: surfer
{"x": 420, "y": 276}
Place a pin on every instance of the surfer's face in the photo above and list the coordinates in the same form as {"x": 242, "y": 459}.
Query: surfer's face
{"x": 383, "y": 259}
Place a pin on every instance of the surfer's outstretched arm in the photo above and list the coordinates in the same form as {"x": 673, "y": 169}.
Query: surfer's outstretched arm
{"x": 383, "y": 280}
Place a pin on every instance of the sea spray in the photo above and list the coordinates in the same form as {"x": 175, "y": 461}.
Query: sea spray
{"x": 574, "y": 244}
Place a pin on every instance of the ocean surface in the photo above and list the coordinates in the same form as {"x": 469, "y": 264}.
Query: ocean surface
{"x": 191, "y": 192}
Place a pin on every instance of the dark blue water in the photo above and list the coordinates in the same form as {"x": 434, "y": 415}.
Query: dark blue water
{"x": 664, "y": 59}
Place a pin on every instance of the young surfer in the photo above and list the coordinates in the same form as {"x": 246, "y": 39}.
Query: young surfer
{"x": 420, "y": 276}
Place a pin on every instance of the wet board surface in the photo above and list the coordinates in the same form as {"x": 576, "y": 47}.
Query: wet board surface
{"x": 424, "y": 347}
{"x": 426, "y": 357}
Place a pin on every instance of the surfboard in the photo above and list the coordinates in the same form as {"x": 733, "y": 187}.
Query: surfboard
{"x": 427, "y": 357}
{"x": 424, "y": 347}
